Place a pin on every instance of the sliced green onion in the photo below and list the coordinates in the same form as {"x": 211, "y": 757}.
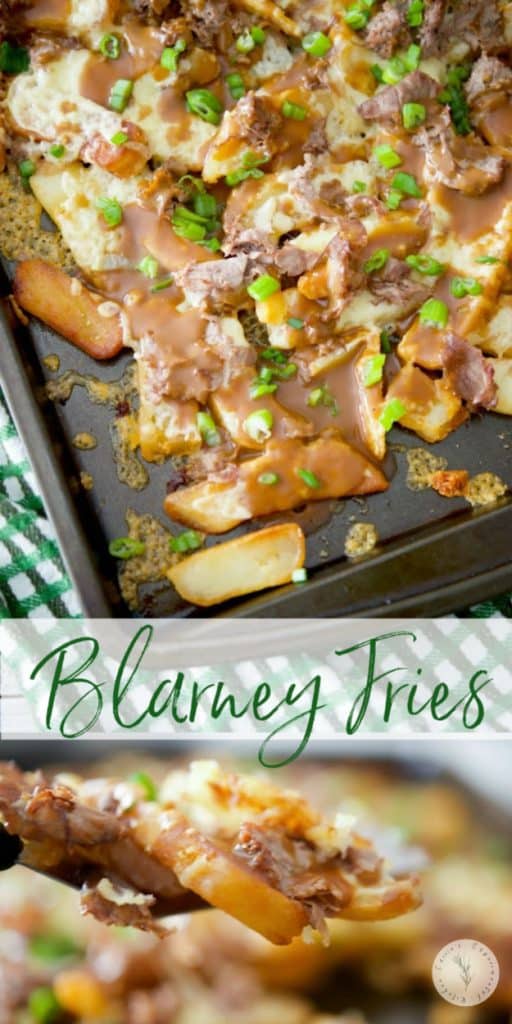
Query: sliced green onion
{"x": 43, "y": 1005}
{"x": 377, "y": 72}
{"x": 491, "y": 260}
{"x": 385, "y": 341}
{"x": 236, "y": 177}
{"x": 171, "y": 55}
{"x": 205, "y": 205}
{"x": 120, "y": 95}
{"x": 126, "y": 547}
{"x": 51, "y": 947}
{"x": 212, "y": 244}
{"x": 27, "y": 168}
{"x": 309, "y": 478}
{"x": 377, "y": 261}
{"x": 407, "y": 184}
{"x": 149, "y": 267}
{"x": 462, "y": 286}
{"x": 322, "y": 396}
{"x": 373, "y": 370}
{"x": 394, "y": 71}
{"x": 415, "y": 13}
{"x": 111, "y": 209}
{"x": 413, "y": 114}
{"x": 189, "y": 225}
{"x": 13, "y": 59}
{"x": 296, "y": 323}
{"x": 236, "y": 85}
{"x": 387, "y": 156}
{"x": 274, "y": 355}
{"x": 393, "y": 199}
{"x": 162, "y": 285}
{"x": 263, "y": 287}
{"x": 359, "y": 186}
{"x": 300, "y": 576}
{"x": 268, "y": 479}
{"x": 119, "y": 139}
{"x": 285, "y": 372}
{"x": 434, "y": 313}
{"x": 189, "y": 540}
{"x": 146, "y": 784}
{"x": 259, "y": 388}
{"x": 413, "y": 57}
{"x": 57, "y": 150}
{"x": 204, "y": 104}
{"x": 425, "y": 264}
{"x": 356, "y": 17}
{"x": 392, "y": 413}
{"x": 294, "y": 111}
{"x": 207, "y": 428}
{"x": 317, "y": 44}
{"x": 258, "y": 34}
{"x": 245, "y": 43}
{"x": 258, "y": 425}
{"x": 110, "y": 46}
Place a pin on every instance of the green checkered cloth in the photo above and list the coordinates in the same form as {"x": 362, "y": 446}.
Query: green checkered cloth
{"x": 33, "y": 580}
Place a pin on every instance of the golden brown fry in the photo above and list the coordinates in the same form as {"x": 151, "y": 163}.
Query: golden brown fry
{"x": 68, "y": 307}
{"x": 241, "y": 566}
{"x": 270, "y": 12}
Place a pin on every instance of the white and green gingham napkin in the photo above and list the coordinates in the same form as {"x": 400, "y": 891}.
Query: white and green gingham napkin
{"x": 33, "y": 580}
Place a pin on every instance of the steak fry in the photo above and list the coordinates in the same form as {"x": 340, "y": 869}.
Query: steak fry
{"x": 237, "y": 843}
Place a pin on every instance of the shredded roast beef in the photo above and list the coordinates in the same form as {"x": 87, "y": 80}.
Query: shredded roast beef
{"x": 462, "y": 163}
{"x": 394, "y": 284}
{"x": 293, "y": 262}
{"x": 387, "y": 104}
{"x": 469, "y": 373}
{"x": 488, "y": 75}
{"x": 256, "y": 121}
{"x": 317, "y": 141}
{"x": 431, "y": 40}
{"x": 126, "y": 914}
{"x": 294, "y": 867}
{"x": 387, "y": 29}
{"x": 205, "y": 18}
{"x": 214, "y": 280}
{"x": 479, "y": 23}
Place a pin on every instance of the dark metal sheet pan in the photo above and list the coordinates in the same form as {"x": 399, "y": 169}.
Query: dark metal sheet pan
{"x": 435, "y": 555}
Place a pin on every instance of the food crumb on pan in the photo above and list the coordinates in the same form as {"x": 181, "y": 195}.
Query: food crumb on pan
{"x": 153, "y": 564}
{"x": 361, "y": 539}
{"x": 87, "y": 481}
{"x": 485, "y": 489}
{"x": 84, "y": 441}
{"x": 52, "y": 362}
{"x": 21, "y": 232}
{"x": 450, "y": 483}
{"x": 421, "y": 465}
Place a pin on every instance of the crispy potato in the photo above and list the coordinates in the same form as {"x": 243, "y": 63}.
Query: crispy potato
{"x": 68, "y": 307}
{"x": 218, "y": 506}
{"x": 433, "y": 409}
{"x": 503, "y": 377}
{"x": 215, "y": 828}
{"x": 270, "y": 11}
{"x": 264, "y": 559}
{"x": 166, "y": 427}
{"x": 125, "y": 160}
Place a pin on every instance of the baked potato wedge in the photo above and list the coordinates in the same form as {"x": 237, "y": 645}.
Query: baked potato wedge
{"x": 244, "y": 565}
{"x": 68, "y": 307}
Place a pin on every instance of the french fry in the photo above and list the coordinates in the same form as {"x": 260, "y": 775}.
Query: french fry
{"x": 335, "y": 468}
{"x": 433, "y": 409}
{"x": 244, "y": 565}
{"x": 503, "y": 377}
{"x": 68, "y": 307}
{"x": 269, "y": 10}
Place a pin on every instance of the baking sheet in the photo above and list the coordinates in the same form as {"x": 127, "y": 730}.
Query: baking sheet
{"x": 435, "y": 555}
